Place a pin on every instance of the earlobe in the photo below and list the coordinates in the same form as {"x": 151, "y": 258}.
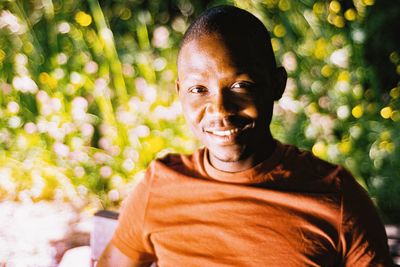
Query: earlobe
{"x": 281, "y": 78}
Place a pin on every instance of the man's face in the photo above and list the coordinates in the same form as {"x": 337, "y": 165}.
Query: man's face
{"x": 226, "y": 97}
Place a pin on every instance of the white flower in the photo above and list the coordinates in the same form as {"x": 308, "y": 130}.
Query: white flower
{"x": 14, "y": 122}
{"x": 76, "y": 78}
{"x": 160, "y": 63}
{"x": 13, "y": 107}
{"x": 160, "y": 37}
{"x": 60, "y": 149}
{"x": 62, "y": 58}
{"x": 343, "y": 112}
{"x": 105, "y": 171}
{"x": 87, "y": 130}
{"x": 91, "y": 67}
{"x": 30, "y": 128}
{"x": 42, "y": 96}
{"x": 289, "y": 61}
{"x": 287, "y": 103}
{"x": 113, "y": 195}
{"x": 55, "y": 104}
{"x": 64, "y": 27}
{"x": 6, "y": 181}
{"x": 142, "y": 131}
{"x": 79, "y": 108}
{"x": 128, "y": 165}
{"x": 25, "y": 84}
{"x": 7, "y": 19}
{"x": 340, "y": 57}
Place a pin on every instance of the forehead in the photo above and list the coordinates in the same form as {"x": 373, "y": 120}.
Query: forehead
{"x": 208, "y": 50}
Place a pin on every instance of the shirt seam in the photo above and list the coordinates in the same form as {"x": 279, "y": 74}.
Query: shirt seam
{"x": 146, "y": 232}
{"x": 341, "y": 215}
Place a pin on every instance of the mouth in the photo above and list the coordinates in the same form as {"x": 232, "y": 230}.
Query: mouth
{"x": 229, "y": 134}
{"x": 224, "y": 133}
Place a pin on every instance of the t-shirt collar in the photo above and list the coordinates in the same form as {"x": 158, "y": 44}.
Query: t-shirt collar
{"x": 256, "y": 174}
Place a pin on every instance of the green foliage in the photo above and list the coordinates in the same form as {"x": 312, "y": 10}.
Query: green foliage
{"x": 87, "y": 94}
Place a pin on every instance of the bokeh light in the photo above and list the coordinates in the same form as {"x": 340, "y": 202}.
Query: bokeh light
{"x": 87, "y": 97}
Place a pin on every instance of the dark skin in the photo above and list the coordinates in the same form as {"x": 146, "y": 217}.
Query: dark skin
{"x": 227, "y": 98}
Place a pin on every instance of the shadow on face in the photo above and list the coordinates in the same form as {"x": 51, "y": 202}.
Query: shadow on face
{"x": 227, "y": 93}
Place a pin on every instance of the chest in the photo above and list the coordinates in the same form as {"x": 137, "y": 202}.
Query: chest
{"x": 243, "y": 226}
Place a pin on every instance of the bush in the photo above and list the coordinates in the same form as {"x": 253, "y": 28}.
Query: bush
{"x": 88, "y": 99}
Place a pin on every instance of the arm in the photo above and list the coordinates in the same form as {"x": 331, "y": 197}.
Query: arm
{"x": 130, "y": 244}
{"x": 112, "y": 256}
{"x": 363, "y": 235}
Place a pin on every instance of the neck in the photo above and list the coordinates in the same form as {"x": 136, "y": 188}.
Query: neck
{"x": 258, "y": 153}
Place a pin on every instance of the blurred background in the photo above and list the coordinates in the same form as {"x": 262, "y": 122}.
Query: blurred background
{"x": 87, "y": 100}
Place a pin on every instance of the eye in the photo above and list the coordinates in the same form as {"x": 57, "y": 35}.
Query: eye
{"x": 197, "y": 90}
{"x": 243, "y": 86}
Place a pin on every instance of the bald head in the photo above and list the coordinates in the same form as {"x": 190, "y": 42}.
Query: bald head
{"x": 238, "y": 28}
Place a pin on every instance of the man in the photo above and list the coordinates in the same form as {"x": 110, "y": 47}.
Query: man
{"x": 245, "y": 199}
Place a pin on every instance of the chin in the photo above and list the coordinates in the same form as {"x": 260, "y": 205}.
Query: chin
{"x": 228, "y": 154}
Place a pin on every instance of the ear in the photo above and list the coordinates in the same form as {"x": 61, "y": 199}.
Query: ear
{"x": 177, "y": 86}
{"x": 280, "y": 81}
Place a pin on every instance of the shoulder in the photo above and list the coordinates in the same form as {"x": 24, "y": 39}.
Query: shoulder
{"x": 320, "y": 176}
{"x": 311, "y": 172}
{"x": 305, "y": 161}
{"x": 362, "y": 235}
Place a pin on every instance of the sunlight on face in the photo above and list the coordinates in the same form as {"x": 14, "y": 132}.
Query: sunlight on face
{"x": 226, "y": 99}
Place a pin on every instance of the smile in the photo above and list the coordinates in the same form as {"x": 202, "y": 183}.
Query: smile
{"x": 225, "y": 133}
{"x": 229, "y": 132}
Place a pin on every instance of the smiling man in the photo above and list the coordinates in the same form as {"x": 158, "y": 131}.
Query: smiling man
{"x": 227, "y": 94}
{"x": 245, "y": 199}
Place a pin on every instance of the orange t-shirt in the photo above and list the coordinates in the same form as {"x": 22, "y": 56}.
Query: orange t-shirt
{"x": 293, "y": 209}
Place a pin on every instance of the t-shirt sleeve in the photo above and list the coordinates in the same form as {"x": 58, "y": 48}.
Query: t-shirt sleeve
{"x": 131, "y": 237}
{"x": 363, "y": 235}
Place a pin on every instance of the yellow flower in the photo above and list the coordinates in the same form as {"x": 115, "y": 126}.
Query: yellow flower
{"x": 2, "y": 55}
{"x": 83, "y": 18}
{"x": 338, "y": 21}
{"x": 344, "y": 76}
{"x": 275, "y": 44}
{"x": 320, "y": 49}
{"x": 284, "y": 5}
{"x": 335, "y": 6}
{"x": 318, "y": 8}
{"x": 395, "y": 93}
{"x": 350, "y": 14}
{"x": 48, "y": 80}
{"x": 345, "y": 147}
{"x": 387, "y": 146}
{"x": 386, "y": 112}
{"x": 357, "y": 111}
{"x": 279, "y": 30}
{"x": 395, "y": 116}
{"x": 326, "y": 71}
{"x": 368, "y": 2}
{"x": 319, "y": 149}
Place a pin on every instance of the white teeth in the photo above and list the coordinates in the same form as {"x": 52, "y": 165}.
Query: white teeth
{"x": 225, "y": 133}
{"x": 230, "y": 131}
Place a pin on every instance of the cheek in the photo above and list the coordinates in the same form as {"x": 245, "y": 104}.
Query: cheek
{"x": 192, "y": 111}
{"x": 251, "y": 111}
{"x": 193, "y": 119}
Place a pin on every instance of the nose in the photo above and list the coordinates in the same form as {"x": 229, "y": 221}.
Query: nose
{"x": 221, "y": 104}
